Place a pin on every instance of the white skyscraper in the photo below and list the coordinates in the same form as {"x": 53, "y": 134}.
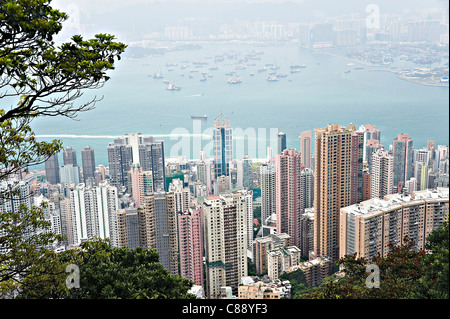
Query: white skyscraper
{"x": 382, "y": 176}
{"x": 182, "y": 195}
{"x": 93, "y": 212}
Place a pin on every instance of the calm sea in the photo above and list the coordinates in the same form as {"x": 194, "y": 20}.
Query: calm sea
{"x": 321, "y": 93}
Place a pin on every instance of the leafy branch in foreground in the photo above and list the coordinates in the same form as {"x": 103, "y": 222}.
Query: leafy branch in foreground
{"x": 49, "y": 79}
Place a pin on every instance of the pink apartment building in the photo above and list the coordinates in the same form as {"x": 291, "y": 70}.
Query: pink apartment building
{"x": 190, "y": 238}
{"x": 288, "y": 179}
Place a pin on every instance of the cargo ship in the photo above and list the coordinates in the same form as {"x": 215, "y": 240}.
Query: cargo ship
{"x": 201, "y": 117}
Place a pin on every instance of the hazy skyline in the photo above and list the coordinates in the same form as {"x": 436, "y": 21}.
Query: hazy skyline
{"x": 147, "y": 16}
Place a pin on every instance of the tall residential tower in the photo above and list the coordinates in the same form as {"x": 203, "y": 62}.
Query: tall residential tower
{"x": 337, "y": 184}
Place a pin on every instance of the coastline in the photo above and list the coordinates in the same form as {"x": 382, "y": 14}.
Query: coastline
{"x": 417, "y": 80}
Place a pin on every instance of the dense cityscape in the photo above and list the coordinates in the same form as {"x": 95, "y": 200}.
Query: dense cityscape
{"x": 243, "y": 227}
{"x": 225, "y": 213}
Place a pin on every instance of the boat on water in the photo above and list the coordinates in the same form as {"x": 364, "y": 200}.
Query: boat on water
{"x": 200, "y": 63}
{"x": 272, "y": 79}
{"x": 157, "y": 76}
{"x": 200, "y": 117}
{"x": 295, "y": 71}
{"x": 234, "y": 80}
{"x": 297, "y": 66}
{"x": 173, "y": 87}
{"x": 348, "y": 71}
{"x": 274, "y": 67}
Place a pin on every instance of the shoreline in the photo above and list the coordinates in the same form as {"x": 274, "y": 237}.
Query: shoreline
{"x": 398, "y": 73}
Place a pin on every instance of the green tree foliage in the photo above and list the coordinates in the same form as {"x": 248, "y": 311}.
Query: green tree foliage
{"x": 435, "y": 281}
{"x": 107, "y": 272}
{"x": 24, "y": 256}
{"x": 19, "y": 148}
{"x": 298, "y": 282}
{"x": 46, "y": 78}
{"x": 38, "y": 78}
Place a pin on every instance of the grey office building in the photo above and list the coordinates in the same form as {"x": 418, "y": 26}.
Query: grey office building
{"x": 88, "y": 162}
{"x": 136, "y": 149}
{"x": 151, "y": 158}
{"x": 52, "y": 169}
{"x": 281, "y": 142}
{"x": 70, "y": 156}
{"x": 120, "y": 158}
{"x": 223, "y": 146}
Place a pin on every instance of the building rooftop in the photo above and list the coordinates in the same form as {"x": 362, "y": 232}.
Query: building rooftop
{"x": 375, "y": 206}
